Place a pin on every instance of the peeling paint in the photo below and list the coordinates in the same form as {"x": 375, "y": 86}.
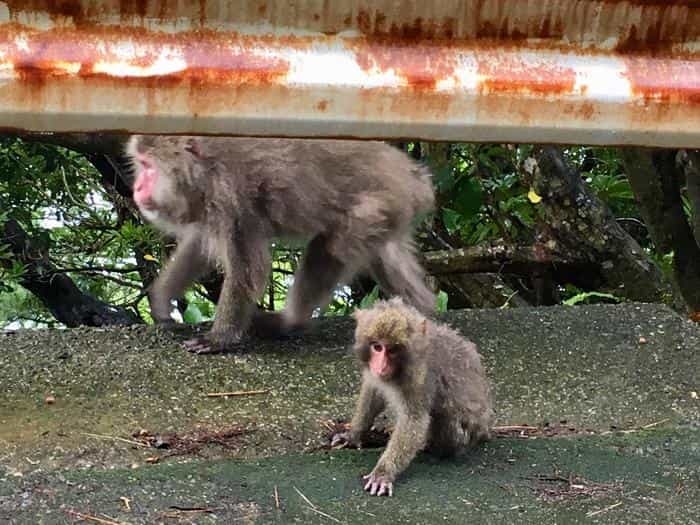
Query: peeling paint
{"x": 668, "y": 81}
{"x": 567, "y": 71}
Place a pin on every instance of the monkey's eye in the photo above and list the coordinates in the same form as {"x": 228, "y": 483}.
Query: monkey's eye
{"x": 145, "y": 162}
{"x": 377, "y": 347}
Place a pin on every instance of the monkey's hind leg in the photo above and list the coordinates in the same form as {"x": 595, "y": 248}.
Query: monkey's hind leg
{"x": 313, "y": 287}
{"x": 476, "y": 432}
{"x": 398, "y": 272}
{"x": 184, "y": 266}
{"x": 446, "y": 436}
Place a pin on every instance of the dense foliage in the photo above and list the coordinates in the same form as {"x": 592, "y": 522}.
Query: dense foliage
{"x": 87, "y": 231}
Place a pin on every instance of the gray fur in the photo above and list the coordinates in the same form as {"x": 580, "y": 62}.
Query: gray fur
{"x": 354, "y": 200}
{"x": 441, "y": 395}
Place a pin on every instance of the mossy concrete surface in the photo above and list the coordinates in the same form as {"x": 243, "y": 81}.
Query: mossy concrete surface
{"x": 620, "y": 382}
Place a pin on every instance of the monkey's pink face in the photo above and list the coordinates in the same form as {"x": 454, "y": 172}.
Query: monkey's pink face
{"x": 383, "y": 359}
{"x": 157, "y": 196}
{"x": 144, "y": 186}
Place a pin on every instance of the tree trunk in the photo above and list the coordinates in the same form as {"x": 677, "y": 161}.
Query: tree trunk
{"x": 57, "y": 291}
{"x": 655, "y": 177}
{"x": 691, "y": 167}
{"x": 480, "y": 290}
{"x": 578, "y": 221}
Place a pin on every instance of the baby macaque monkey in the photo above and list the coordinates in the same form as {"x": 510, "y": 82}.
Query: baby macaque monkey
{"x": 226, "y": 199}
{"x": 429, "y": 375}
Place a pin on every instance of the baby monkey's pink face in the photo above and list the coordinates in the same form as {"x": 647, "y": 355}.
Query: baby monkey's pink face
{"x": 383, "y": 359}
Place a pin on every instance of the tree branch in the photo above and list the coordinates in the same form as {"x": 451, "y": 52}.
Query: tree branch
{"x": 66, "y": 302}
{"x": 577, "y": 221}
{"x": 96, "y": 269}
{"x": 494, "y": 258}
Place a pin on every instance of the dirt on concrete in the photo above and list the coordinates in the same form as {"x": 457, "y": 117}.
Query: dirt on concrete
{"x": 598, "y": 409}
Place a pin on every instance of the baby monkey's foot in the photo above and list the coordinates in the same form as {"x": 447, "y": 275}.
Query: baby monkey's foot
{"x": 344, "y": 439}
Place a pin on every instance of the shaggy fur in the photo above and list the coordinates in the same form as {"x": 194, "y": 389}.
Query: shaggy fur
{"x": 439, "y": 391}
{"x": 226, "y": 199}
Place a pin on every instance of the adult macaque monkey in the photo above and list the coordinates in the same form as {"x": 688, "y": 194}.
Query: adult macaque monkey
{"x": 225, "y": 199}
{"x": 429, "y": 375}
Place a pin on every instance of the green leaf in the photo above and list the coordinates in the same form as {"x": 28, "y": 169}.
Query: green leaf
{"x": 371, "y": 298}
{"x": 468, "y": 197}
{"x": 585, "y": 296}
{"x": 444, "y": 179}
{"x": 192, "y": 314}
{"x": 442, "y": 299}
{"x": 450, "y": 219}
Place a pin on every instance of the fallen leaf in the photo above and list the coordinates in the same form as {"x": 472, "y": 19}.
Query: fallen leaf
{"x": 533, "y": 197}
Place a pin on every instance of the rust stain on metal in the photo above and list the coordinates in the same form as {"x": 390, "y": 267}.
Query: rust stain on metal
{"x": 489, "y": 31}
{"x": 426, "y": 103}
{"x": 512, "y": 74}
{"x": 57, "y": 10}
{"x": 665, "y": 81}
{"x": 207, "y": 57}
{"x": 660, "y": 26}
{"x": 215, "y": 62}
{"x": 420, "y": 66}
{"x": 634, "y": 24}
{"x": 60, "y": 10}
{"x": 376, "y": 24}
{"x": 584, "y": 110}
{"x": 587, "y": 110}
{"x": 456, "y": 67}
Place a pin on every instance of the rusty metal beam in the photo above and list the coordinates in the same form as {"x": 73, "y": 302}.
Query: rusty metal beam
{"x": 565, "y": 71}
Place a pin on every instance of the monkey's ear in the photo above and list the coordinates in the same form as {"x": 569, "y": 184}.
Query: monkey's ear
{"x": 192, "y": 146}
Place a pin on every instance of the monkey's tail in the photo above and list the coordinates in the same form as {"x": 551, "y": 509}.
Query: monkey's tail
{"x": 425, "y": 198}
{"x": 398, "y": 272}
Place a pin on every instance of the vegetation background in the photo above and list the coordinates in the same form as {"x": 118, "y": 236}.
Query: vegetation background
{"x": 516, "y": 225}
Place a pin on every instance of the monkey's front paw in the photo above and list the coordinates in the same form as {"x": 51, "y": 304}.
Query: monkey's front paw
{"x": 379, "y": 484}
{"x": 201, "y": 345}
{"x": 205, "y": 345}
